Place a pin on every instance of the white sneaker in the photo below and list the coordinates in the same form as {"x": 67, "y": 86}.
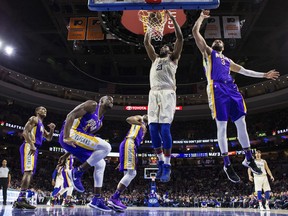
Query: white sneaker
{"x": 267, "y": 207}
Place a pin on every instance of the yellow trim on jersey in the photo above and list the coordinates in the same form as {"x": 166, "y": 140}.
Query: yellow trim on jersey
{"x": 33, "y": 132}
{"x": 133, "y": 132}
{"x": 213, "y": 100}
{"x": 25, "y": 155}
{"x": 129, "y": 154}
{"x": 28, "y": 167}
{"x": 91, "y": 141}
{"x": 76, "y": 123}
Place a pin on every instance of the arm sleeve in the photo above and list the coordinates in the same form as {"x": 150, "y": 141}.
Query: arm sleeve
{"x": 251, "y": 73}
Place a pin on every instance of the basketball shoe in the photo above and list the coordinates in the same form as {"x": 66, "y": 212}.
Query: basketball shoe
{"x": 98, "y": 203}
{"x": 165, "y": 173}
{"x": 252, "y": 165}
{"x": 231, "y": 174}
{"x": 160, "y": 169}
{"x": 116, "y": 203}
{"x": 75, "y": 177}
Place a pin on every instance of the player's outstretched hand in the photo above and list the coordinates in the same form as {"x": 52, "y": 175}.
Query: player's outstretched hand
{"x": 272, "y": 74}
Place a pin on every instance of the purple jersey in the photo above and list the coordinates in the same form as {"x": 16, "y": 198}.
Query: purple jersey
{"x": 37, "y": 133}
{"x": 225, "y": 100}
{"x": 89, "y": 123}
{"x": 217, "y": 68}
{"x": 136, "y": 133}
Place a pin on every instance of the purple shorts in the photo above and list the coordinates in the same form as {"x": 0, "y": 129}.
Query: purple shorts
{"x": 225, "y": 101}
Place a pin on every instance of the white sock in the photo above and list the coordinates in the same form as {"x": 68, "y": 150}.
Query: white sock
{"x": 160, "y": 156}
{"x": 167, "y": 160}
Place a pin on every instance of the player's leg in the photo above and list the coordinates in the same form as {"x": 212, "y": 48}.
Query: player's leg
{"x": 115, "y": 201}
{"x": 96, "y": 149}
{"x": 128, "y": 160}
{"x": 258, "y": 182}
{"x": 223, "y": 145}
{"x": 98, "y": 202}
{"x": 238, "y": 112}
{"x": 219, "y": 103}
{"x": 28, "y": 165}
{"x": 266, "y": 189}
{"x": 154, "y": 129}
{"x": 166, "y": 116}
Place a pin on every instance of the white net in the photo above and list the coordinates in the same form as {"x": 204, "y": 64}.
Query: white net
{"x": 153, "y": 23}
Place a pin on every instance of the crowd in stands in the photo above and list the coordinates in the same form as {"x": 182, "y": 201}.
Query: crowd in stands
{"x": 190, "y": 186}
{"x": 193, "y": 129}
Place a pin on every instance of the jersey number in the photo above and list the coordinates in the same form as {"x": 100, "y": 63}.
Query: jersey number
{"x": 159, "y": 67}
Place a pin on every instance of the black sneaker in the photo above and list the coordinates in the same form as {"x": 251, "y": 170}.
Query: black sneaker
{"x": 15, "y": 205}
{"x": 23, "y": 204}
{"x": 232, "y": 176}
{"x": 252, "y": 165}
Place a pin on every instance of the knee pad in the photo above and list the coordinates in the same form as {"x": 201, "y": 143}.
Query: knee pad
{"x": 166, "y": 136}
{"x": 98, "y": 173}
{"x": 128, "y": 177}
{"x": 155, "y": 135}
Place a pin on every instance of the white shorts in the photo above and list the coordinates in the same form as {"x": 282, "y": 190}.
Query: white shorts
{"x": 261, "y": 182}
{"x": 161, "y": 106}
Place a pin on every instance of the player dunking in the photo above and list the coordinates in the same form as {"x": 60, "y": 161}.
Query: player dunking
{"x": 261, "y": 181}
{"x": 33, "y": 134}
{"x": 128, "y": 156}
{"x": 224, "y": 98}
{"x": 77, "y": 137}
{"x": 162, "y": 98}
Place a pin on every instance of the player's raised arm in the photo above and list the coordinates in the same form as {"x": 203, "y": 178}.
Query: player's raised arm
{"x": 179, "y": 38}
{"x": 149, "y": 48}
{"x": 200, "y": 41}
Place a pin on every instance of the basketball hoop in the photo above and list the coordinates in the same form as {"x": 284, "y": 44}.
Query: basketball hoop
{"x": 153, "y": 178}
{"x": 153, "y": 23}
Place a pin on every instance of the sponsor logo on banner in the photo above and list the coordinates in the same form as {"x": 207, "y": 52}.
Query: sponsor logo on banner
{"x": 132, "y": 108}
{"x": 213, "y": 28}
{"x": 231, "y": 27}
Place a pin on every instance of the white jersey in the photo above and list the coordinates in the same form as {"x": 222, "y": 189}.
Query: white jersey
{"x": 261, "y": 164}
{"x": 162, "y": 74}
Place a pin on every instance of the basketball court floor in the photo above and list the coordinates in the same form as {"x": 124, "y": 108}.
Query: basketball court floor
{"x": 42, "y": 210}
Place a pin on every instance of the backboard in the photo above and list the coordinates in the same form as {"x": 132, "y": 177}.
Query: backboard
{"x": 120, "y": 5}
{"x": 150, "y": 172}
